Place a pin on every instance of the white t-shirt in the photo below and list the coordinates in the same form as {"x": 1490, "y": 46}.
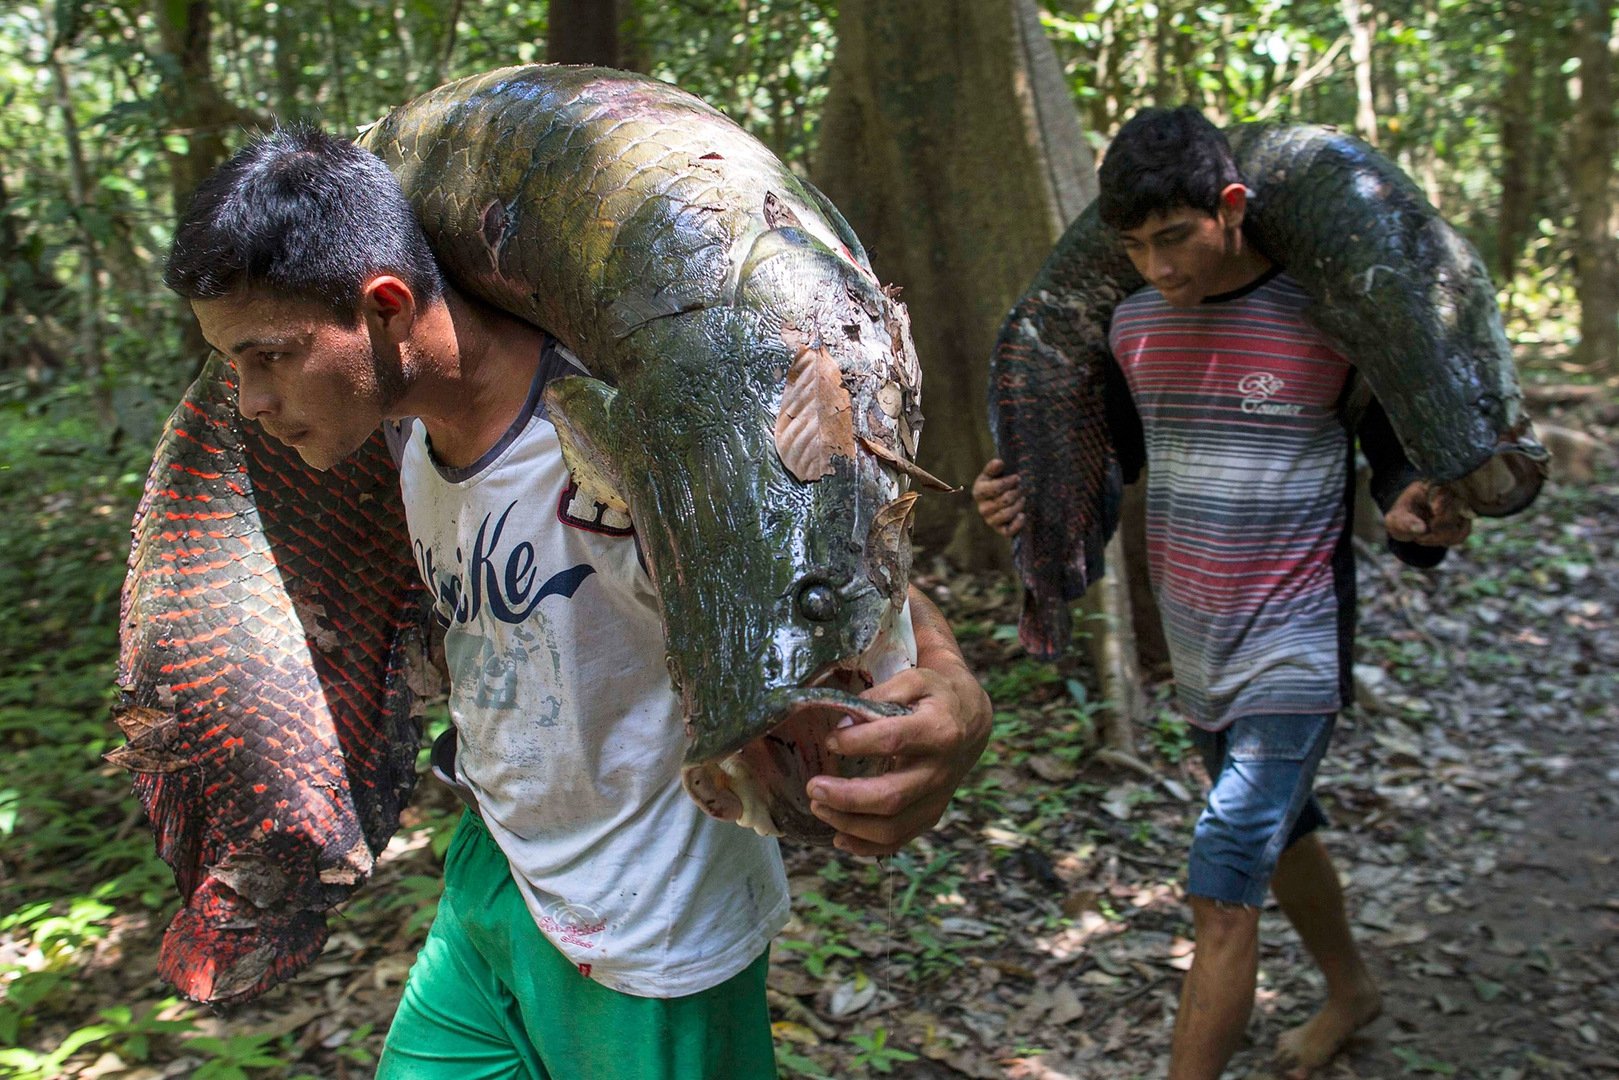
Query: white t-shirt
{"x": 570, "y": 736}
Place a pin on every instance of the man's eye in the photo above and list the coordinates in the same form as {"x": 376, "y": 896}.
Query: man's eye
{"x": 270, "y": 357}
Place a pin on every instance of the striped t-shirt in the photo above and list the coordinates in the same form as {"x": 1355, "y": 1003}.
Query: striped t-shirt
{"x": 1247, "y": 459}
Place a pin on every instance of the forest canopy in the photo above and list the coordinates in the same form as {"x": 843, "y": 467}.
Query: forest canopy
{"x": 114, "y": 110}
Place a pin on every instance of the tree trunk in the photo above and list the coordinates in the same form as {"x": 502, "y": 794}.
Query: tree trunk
{"x": 1517, "y": 113}
{"x": 446, "y": 53}
{"x": 585, "y": 32}
{"x": 1359, "y": 15}
{"x": 1596, "y": 262}
{"x": 196, "y": 111}
{"x": 1162, "y": 82}
{"x": 31, "y": 293}
{"x": 950, "y": 142}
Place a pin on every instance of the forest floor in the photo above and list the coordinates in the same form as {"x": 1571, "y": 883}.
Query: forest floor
{"x": 1041, "y": 931}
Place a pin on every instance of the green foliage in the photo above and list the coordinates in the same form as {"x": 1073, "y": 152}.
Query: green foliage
{"x": 830, "y": 924}
{"x": 875, "y": 1053}
{"x": 790, "y": 1064}
{"x": 80, "y": 864}
{"x": 1169, "y": 736}
{"x": 763, "y": 63}
{"x": 234, "y": 1057}
{"x": 1441, "y": 93}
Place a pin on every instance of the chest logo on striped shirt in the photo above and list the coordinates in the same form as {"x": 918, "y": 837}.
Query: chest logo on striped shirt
{"x": 1257, "y": 388}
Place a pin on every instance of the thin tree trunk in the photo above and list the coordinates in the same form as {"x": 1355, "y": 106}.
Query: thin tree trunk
{"x": 1517, "y": 117}
{"x": 91, "y": 355}
{"x": 584, "y": 32}
{"x": 334, "y": 43}
{"x": 1359, "y": 15}
{"x": 446, "y": 54}
{"x": 1596, "y": 262}
{"x": 1109, "y": 66}
{"x": 1161, "y": 93}
{"x": 196, "y": 111}
{"x": 287, "y": 62}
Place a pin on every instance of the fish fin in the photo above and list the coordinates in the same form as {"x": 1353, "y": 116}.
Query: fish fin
{"x": 581, "y": 408}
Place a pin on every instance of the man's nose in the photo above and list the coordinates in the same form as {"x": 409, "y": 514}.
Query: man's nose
{"x": 253, "y": 398}
{"x": 1158, "y": 267}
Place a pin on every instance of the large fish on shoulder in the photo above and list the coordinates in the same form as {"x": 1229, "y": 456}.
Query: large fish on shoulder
{"x": 754, "y": 398}
{"x": 754, "y": 405}
{"x": 1393, "y": 287}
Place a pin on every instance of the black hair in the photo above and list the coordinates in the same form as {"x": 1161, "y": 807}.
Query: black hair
{"x": 1162, "y": 160}
{"x": 300, "y": 213}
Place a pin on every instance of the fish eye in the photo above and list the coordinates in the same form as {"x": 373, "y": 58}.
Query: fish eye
{"x": 817, "y": 602}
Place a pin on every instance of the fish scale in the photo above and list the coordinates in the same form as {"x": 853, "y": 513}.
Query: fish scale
{"x": 1393, "y": 287}
{"x": 257, "y": 732}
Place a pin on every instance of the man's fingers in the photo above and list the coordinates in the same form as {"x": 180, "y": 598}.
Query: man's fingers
{"x": 929, "y": 725}
{"x": 1449, "y": 533}
{"x": 995, "y": 490}
{"x": 1404, "y": 524}
{"x": 875, "y": 815}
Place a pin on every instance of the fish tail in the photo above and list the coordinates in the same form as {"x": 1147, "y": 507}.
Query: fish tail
{"x": 1044, "y": 627}
{"x": 220, "y": 949}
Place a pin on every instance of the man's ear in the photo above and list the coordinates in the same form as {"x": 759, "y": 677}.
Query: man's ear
{"x": 1233, "y": 205}
{"x": 388, "y": 307}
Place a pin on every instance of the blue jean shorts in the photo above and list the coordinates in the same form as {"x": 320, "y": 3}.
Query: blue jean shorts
{"x": 1263, "y": 769}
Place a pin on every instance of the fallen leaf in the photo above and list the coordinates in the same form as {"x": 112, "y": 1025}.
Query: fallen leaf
{"x": 907, "y": 466}
{"x": 816, "y": 421}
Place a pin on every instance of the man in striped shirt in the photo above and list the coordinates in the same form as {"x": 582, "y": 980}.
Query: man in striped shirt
{"x": 1242, "y": 417}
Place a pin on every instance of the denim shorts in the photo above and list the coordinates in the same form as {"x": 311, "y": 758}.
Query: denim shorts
{"x": 1263, "y": 768}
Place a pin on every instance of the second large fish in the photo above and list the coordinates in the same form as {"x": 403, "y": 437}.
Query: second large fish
{"x": 1394, "y": 287}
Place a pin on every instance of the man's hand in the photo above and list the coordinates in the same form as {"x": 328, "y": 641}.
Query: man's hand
{"x": 999, "y": 498}
{"x": 1429, "y": 514}
{"x": 930, "y": 750}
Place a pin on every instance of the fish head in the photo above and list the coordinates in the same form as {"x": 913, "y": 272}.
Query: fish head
{"x": 768, "y": 497}
{"x": 1467, "y": 323}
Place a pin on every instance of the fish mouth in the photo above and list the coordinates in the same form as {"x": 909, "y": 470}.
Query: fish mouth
{"x": 1509, "y": 481}
{"x": 760, "y": 781}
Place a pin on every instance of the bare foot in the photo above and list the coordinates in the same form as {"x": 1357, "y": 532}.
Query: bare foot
{"x": 1311, "y": 1045}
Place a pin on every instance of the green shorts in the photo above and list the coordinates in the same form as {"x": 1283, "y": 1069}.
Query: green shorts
{"x": 490, "y": 997}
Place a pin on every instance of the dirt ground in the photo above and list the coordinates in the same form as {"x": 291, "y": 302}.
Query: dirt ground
{"x": 1473, "y": 797}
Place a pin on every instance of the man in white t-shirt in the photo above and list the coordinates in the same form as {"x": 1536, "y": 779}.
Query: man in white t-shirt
{"x": 595, "y": 923}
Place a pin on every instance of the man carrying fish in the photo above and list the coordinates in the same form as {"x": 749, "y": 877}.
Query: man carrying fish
{"x": 1245, "y": 417}
{"x": 595, "y": 923}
